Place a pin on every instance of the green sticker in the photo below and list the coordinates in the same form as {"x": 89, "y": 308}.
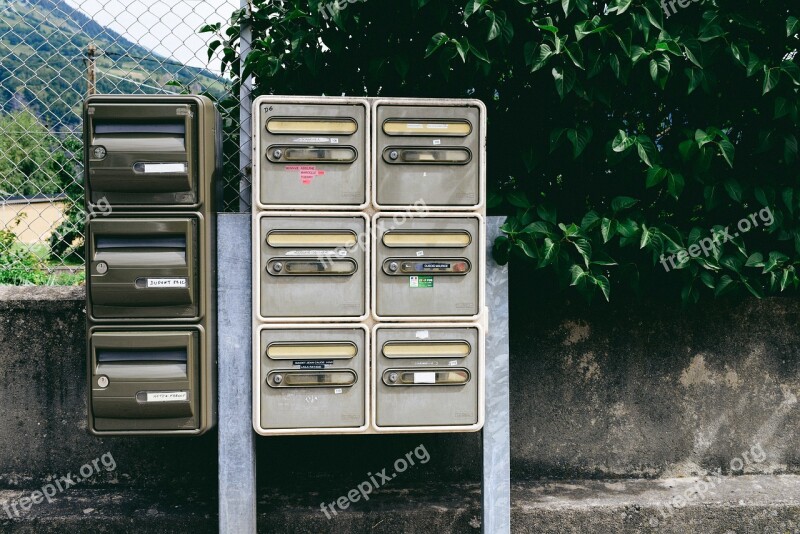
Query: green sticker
{"x": 420, "y": 281}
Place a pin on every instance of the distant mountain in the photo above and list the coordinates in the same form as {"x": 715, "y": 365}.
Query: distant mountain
{"x": 43, "y": 47}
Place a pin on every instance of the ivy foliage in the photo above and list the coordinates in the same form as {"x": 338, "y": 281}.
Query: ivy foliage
{"x": 621, "y": 133}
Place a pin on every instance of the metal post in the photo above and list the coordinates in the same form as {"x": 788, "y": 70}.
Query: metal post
{"x": 237, "y": 454}
{"x": 245, "y": 112}
{"x": 91, "y": 75}
{"x": 496, "y": 485}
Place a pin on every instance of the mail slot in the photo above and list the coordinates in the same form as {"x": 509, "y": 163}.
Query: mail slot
{"x": 312, "y": 267}
{"x": 311, "y": 152}
{"x": 151, "y": 150}
{"x": 428, "y": 377}
{"x": 145, "y": 268}
{"x": 148, "y": 379}
{"x": 429, "y": 151}
{"x": 428, "y": 267}
{"x": 310, "y": 379}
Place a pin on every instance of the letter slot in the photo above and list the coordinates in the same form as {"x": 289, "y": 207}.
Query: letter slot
{"x": 144, "y": 380}
{"x": 143, "y": 268}
{"x": 312, "y": 153}
{"x": 432, "y": 151}
{"x": 148, "y": 150}
{"x": 428, "y": 267}
{"x": 428, "y": 377}
{"x": 310, "y": 379}
{"x": 313, "y": 268}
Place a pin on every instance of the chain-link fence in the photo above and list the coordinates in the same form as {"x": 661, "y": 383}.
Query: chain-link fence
{"x": 54, "y": 52}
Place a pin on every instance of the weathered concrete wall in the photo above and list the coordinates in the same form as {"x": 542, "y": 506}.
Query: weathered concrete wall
{"x": 43, "y": 399}
{"x": 649, "y": 390}
{"x": 627, "y": 391}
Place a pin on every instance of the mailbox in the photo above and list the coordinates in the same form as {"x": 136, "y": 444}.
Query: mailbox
{"x": 151, "y": 150}
{"x": 150, "y": 378}
{"x": 428, "y": 267}
{"x": 428, "y": 377}
{"x": 430, "y": 151}
{"x": 147, "y": 267}
{"x": 312, "y": 267}
{"x": 155, "y": 161}
{"x": 311, "y": 153}
{"x": 310, "y": 379}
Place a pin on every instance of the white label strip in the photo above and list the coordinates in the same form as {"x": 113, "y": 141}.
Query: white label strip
{"x": 164, "y": 167}
{"x": 167, "y": 282}
{"x": 167, "y": 396}
{"x": 424, "y": 378}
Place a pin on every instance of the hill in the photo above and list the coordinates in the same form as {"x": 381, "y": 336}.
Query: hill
{"x": 43, "y": 46}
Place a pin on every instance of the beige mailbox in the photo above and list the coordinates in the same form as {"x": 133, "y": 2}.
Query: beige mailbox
{"x": 312, "y": 267}
{"x": 310, "y": 379}
{"x": 311, "y": 153}
{"x": 428, "y": 377}
{"x": 428, "y": 268}
{"x": 430, "y": 151}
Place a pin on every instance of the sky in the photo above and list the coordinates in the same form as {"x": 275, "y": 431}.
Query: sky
{"x": 168, "y": 27}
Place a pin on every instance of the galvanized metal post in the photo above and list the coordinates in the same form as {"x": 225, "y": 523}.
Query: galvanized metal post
{"x": 236, "y": 440}
{"x": 496, "y": 485}
{"x": 237, "y": 453}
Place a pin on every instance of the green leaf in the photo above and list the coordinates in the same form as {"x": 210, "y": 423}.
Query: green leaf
{"x": 655, "y": 175}
{"x": 567, "y": 6}
{"x": 579, "y": 140}
{"x": 472, "y": 7}
{"x": 437, "y": 41}
{"x": 518, "y": 199}
{"x": 621, "y": 203}
{"x": 584, "y": 249}
{"x": 621, "y": 6}
{"x": 577, "y": 274}
{"x": 575, "y": 54}
{"x": 526, "y": 248}
{"x": 724, "y": 285}
{"x": 696, "y": 78}
{"x": 604, "y": 285}
{"x": 565, "y": 80}
{"x": 694, "y": 51}
{"x": 675, "y": 183}
{"x": 728, "y": 151}
{"x": 734, "y": 189}
{"x": 792, "y": 25}
{"x": 590, "y": 220}
{"x": 646, "y": 237}
{"x": 537, "y": 227}
{"x": 622, "y": 142}
{"x": 546, "y": 212}
{"x": 550, "y": 250}
{"x": 646, "y": 149}
{"x": 500, "y": 249}
{"x": 608, "y": 229}
{"x": 537, "y": 55}
{"x": 771, "y": 79}
{"x": 755, "y": 260}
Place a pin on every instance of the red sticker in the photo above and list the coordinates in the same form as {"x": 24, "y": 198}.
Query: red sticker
{"x": 307, "y": 172}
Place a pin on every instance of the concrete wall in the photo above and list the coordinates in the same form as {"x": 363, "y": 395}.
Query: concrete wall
{"x": 626, "y": 391}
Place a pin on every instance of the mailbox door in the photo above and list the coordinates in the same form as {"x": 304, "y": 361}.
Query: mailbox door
{"x": 312, "y": 154}
{"x": 144, "y": 152}
{"x": 313, "y": 267}
{"x": 143, "y": 268}
{"x": 427, "y": 267}
{"x": 427, "y": 376}
{"x": 313, "y": 378}
{"x": 144, "y": 380}
{"x": 428, "y": 153}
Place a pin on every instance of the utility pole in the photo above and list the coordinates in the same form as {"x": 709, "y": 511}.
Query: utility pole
{"x": 91, "y": 51}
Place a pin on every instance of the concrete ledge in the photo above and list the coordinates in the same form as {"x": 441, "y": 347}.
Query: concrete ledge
{"x": 111, "y": 510}
{"x": 759, "y": 503}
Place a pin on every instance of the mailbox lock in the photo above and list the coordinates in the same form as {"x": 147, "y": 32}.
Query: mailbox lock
{"x": 102, "y": 381}
{"x": 277, "y": 379}
{"x": 277, "y": 266}
{"x": 101, "y": 267}
{"x": 277, "y": 153}
{"x": 393, "y": 266}
{"x": 393, "y": 377}
{"x": 393, "y": 154}
{"x": 98, "y": 152}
